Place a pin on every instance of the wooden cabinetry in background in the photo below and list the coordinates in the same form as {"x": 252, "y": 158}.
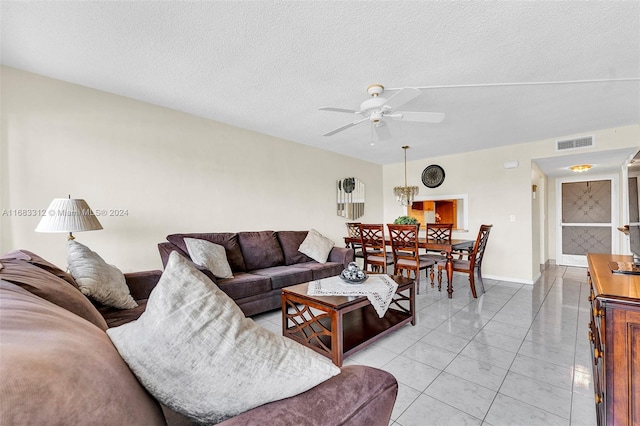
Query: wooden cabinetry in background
{"x": 447, "y": 209}
{"x": 614, "y": 332}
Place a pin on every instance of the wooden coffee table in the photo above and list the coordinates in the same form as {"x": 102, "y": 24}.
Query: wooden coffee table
{"x": 338, "y": 326}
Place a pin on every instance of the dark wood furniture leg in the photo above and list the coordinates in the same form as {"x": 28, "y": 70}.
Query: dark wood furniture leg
{"x": 449, "y": 268}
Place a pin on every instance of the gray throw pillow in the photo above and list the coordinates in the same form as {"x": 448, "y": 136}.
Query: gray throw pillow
{"x": 316, "y": 246}
{"x": 96, "y": 279}
{"x": 209, "y": 255}
{"x": 195, "y": 351}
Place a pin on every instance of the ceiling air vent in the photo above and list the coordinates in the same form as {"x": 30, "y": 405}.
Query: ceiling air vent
{"x": 577, "y": 143}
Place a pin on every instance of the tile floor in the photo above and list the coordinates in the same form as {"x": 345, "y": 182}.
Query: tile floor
{"x": 517, "y": 355}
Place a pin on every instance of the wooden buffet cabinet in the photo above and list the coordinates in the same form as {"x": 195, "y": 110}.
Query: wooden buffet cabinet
{"x": 614, "y": 332}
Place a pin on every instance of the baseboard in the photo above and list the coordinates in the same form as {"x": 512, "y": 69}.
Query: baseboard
{"x": 510, "y": 279}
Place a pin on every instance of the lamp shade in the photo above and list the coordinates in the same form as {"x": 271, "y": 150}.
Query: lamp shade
{"x": 68, "y": 215}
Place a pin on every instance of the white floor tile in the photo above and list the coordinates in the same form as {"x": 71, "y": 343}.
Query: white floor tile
{"x": 462, "y": 394}
{"x": 411, "y": 373}
{"x": 516, "y": 355}
{"x": 537, "y": 393}
{"x": 427, "y": 410}
{"x": 429, "y": 354}
{"x": 477, "y": 371}
{"x": 506, "y": 411}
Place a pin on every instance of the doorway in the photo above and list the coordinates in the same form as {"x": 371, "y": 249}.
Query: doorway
{"x": 586, "y": 211}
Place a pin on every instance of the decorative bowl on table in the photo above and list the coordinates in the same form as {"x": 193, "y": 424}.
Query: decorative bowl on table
{"x": 353, "y": 274}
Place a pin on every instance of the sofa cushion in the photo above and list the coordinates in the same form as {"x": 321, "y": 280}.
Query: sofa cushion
{"x": 50, "y": 287}
{"x": 359, "y": 395}
{"x": 197, "y": 353}
{"x": 115, "y": 317}
{"x": 96, "y": 279}
{"x": 284, "y": 276}
{"x": 260, "y": 249}
{"x": 58, "y": 369}
{"x": 321, "y": 270}
{"x": 34, "y": 259}
{"x": 228, "y": 240}
{"x": 244, "y": 285}
{"x": 290, "y": 242}
{"x": 316, "y": 246}
{"x": 209, "y": 255}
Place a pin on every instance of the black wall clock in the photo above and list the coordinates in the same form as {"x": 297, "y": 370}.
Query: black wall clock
{"x": 433, "y": 176}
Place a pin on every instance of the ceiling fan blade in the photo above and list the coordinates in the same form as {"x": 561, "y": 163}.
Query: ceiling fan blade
{"x": 423, "y": 117}
{"x": 350, "y": 111}
{"x": 382, "y": 131}
{"x": 402, "y": 96}
{"x": 345, "y": 127}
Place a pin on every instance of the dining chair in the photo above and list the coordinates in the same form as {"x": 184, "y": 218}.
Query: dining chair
{"x": 404, "y": 248}
{"x": 439, "y": 232}
{"x": 472, "y": 262}
{"x": 353, "y": 231}
{"x": 374, "y": 248}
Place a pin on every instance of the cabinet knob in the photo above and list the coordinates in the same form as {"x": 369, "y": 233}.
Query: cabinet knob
{"x": 598, "y": 399}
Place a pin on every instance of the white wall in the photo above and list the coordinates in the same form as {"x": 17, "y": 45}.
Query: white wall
{"x": 496, "y": 193}
{"x": 173, "y": 172}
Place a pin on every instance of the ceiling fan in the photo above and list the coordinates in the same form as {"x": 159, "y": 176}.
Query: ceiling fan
{"x": 377, "y": 109}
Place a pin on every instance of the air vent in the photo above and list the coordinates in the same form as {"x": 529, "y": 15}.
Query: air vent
{"x": 577, "y": 143}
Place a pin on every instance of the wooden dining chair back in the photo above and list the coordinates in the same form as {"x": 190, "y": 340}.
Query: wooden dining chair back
{"x": 404, "y": 248}
{"x": 374, "y": 248}
{"x": 473, "y": 262}
{"x": 353, "y": 231}
{"x": 439, "y": 232}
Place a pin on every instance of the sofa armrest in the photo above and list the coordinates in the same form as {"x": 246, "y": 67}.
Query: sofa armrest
{"x": 342, "y": 255}
{"x": 359, "y": 395}
{"x": 141, "y": 283}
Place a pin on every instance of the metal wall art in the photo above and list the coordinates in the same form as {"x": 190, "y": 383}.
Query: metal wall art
{"x": 350, "y": 198}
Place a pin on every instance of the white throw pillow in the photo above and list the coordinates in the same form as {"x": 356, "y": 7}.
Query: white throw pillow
{"x": 194, "y": 350}
{"x": 209, "y": 255}
{"x": 316, "y": 246}
{"x": 96, "y": 279}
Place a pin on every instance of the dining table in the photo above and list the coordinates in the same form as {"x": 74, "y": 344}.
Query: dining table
{"x": 444, "y": 246}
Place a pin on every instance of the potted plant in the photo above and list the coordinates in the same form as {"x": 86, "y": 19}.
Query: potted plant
{"x": 405, "y": 220}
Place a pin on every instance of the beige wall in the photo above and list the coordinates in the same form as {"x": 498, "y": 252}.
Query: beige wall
{"x": 496, "y": 193}
{"x": 172, "y": 172}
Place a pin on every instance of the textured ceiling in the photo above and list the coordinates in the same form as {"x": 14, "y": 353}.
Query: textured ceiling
{"x": 269, "y": 66}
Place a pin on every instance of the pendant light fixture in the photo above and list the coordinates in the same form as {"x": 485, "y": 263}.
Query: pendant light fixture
{"x": 405, "y": 194}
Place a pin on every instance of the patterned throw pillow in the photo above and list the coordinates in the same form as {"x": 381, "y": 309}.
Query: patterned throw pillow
{"x": 195, "y": 351}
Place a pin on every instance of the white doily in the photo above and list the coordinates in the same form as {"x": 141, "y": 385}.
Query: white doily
{"x": 379, "y": 289}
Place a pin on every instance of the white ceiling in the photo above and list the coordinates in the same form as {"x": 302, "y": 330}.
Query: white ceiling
{"x": 268, "y": 66}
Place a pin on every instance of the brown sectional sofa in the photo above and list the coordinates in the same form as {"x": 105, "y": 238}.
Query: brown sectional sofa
{"x": 262, "y": 263}
{"x": 58, "y": 366}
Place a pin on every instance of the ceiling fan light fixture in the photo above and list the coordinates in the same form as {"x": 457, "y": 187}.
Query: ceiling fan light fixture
{"x": 579, "y": 168}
